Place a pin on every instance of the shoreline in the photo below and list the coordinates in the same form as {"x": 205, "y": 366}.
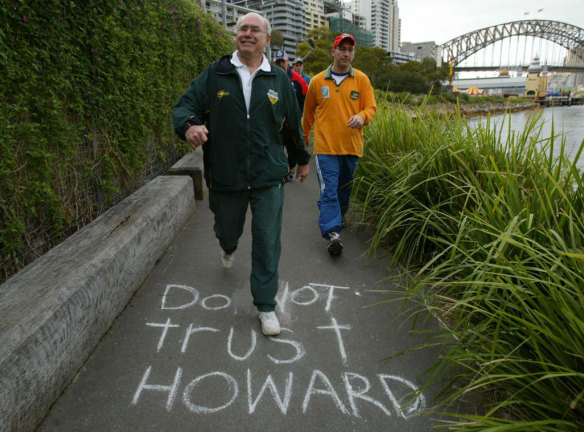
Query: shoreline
{"x": 480, "y": 109}
{"x": 469, "y": 110}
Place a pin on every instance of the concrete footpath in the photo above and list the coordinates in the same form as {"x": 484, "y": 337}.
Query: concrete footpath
{"x": 187, "y": 353}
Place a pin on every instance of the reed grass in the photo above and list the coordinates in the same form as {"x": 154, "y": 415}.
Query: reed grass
{"x": 490, "y": 227}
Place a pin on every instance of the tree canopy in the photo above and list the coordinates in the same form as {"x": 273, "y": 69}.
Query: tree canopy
{"x": 277, "y": 39}
{"x": 412, "y": 77}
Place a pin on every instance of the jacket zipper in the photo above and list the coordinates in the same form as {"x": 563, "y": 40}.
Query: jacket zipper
{"x": 248, "y": 148}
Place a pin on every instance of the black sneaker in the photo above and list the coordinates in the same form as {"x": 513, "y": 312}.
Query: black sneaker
{"x": 335, "y": 246}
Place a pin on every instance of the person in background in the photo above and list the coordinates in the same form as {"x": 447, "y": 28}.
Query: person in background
{"x": 339, "y": 102}
{"x": 235, "y": 109}
{"x": 300, "y": 89}
{"x": 298, "y": 67}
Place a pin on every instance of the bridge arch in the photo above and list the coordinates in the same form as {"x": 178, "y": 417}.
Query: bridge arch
{"x": 563, "y": 34}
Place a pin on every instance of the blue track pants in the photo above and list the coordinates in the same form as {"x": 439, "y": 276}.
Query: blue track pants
{"x": 335, "y": 174}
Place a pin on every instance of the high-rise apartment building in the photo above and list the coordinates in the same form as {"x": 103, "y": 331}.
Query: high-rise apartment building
{"x": 395, "y": 28}
{"x": 226, "y": 13}
{"x": 346, "y": 21}
{"x": 314, "y": 14}
{"x": 288, "y": 17}
{"x": 382, "y": 18}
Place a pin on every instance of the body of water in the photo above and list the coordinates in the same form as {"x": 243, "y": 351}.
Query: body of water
{"x": 568, "y": 121}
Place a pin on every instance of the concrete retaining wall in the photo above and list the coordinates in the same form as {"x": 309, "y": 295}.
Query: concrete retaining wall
{"x": 54, "y": 312}
{"x": 192, "y": 165}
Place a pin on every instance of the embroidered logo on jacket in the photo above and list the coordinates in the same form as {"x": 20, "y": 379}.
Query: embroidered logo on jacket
{"x": 354, "y": 95}
{"x": 222, "y": 93}
{"x": 273, "y": 96}
{"x": 324, "y": 91}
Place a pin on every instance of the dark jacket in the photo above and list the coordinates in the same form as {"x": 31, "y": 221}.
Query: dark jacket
{"x": 243, "y": 151}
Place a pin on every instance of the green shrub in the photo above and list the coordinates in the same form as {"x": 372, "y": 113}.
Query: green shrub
{"x": 491, "y": 227}
{"x": 86, "y": 94}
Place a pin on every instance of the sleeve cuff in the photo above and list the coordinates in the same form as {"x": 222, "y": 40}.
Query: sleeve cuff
{"x": 193, "y": 121}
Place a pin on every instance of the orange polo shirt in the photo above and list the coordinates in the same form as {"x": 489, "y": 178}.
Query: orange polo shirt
{"x": 329, "y": 108}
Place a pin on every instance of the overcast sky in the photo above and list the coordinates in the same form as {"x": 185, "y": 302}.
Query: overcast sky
{"x": 442, "y": 20}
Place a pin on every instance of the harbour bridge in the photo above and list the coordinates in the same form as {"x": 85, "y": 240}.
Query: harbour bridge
{"x": 513, "y": 45}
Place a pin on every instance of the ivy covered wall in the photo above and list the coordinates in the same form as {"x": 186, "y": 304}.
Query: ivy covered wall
{"x": 87, "y": 88}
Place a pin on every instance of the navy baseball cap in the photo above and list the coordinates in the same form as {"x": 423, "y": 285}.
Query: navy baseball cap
{"x": 280, "y": 55}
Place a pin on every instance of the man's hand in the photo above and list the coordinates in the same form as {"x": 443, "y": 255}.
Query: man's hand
{"x": 302, "y": 172}
{"x": 356, "y": 121}
{"x": 196, "y": 135}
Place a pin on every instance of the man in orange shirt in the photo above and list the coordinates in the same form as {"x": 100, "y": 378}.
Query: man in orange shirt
{"x": 339, "y": 102}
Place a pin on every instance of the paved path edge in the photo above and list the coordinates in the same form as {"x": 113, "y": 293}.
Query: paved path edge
{"x": 55, "y": 311}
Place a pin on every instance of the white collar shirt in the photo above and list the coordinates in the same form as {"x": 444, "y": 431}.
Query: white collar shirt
{"x": 246, "y": 77}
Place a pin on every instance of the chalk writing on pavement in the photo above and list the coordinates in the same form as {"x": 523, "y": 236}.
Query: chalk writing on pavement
{"x": 394, "y": 395}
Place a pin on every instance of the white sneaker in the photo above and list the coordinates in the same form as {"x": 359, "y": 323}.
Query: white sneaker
{"x": 270, "y": 323}
{"x": 227, "y": 260}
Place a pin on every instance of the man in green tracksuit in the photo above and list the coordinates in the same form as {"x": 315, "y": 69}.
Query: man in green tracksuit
{"x": 236, "y": 109}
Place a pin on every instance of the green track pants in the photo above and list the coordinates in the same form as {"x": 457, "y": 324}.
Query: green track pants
{"x": 266, "y": 207}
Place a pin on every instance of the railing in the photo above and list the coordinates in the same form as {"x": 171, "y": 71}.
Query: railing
{"x": 579, "y": 69}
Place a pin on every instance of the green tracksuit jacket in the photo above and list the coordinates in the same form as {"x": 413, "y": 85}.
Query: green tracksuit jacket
{"x": 243, "y": 150}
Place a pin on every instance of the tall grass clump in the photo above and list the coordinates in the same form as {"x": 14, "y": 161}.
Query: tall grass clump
{"x": 490, "y": 227}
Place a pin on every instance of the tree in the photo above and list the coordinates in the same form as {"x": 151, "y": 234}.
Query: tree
{"x": 320, "y": 58}
{"x": 375, "y": 63}
{"x": 412, "y": 77}
{"x": 404, "y": 80}
{"x": 411, "y": 66}
{"x": 428, "y": 65}
{"x": 277, "y": 41}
